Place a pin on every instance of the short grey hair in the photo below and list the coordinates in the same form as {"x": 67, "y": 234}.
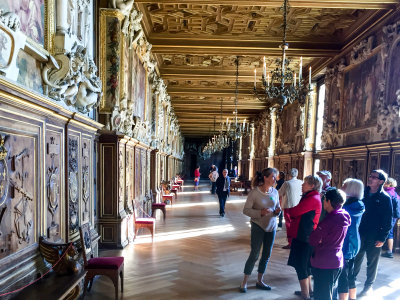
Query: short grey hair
{"x": 354, "y": 188}
{"x": 294, "y": 172}
{"x": 391, "y": 182}
{"x": 225, "y": 170}
{"x": 315, "y": 181}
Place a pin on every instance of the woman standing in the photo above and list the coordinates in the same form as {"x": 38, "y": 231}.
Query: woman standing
{"x": 354, "y": 190}
{"x": 303, "y": 220}
{"x": 390, "y": 188}
{"x": 327, "y": 240}
{"x": 196, "y": 178}
{"x": 262, "y": 206}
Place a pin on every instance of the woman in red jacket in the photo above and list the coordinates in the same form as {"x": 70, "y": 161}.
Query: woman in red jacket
{"x": 304, "y": 219}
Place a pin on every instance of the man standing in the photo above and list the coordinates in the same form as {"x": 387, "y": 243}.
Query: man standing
{"x": 326, "y": 177}
{"x": 374, "y": 228}
{"x": 289, "y": 196}
{"x": 223, "y": 186}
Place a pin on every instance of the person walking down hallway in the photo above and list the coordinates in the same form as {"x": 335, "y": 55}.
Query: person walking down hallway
{"x": 262, "y": 206}
{"x": 327, "y": 240}
{"x": 374, "y": 228}
{"x": 223, "y": 185}
{"x": 303, "y": 220}
{"x": 213, "y": 176}
{"x": 197, "y": 178}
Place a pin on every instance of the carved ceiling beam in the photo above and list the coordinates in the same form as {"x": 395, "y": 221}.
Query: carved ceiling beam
{"x": 344, "y": 4}
{"x": 187, "y": 91}
{"x": 204, "y": 47}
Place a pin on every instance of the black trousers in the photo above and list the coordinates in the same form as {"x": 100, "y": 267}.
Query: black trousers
{"x": 324, "y": 280}
{"x": 373, "y": 254}
{"x": 222, "y": 199}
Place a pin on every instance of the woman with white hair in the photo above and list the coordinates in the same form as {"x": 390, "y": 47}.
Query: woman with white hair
{"x": 354, "y": 190}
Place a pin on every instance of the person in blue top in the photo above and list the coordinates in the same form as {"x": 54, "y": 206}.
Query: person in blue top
{"x": 354, "y": 190}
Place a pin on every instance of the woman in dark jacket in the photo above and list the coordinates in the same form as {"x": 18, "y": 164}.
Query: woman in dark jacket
{"x": 354, "y": 190}
{"x": 303, "y": 220}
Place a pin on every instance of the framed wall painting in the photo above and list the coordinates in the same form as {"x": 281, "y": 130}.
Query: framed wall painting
{"x": 393, "y": 81}
{"x": 361, "y": 93}
{"x": 138, "y": 86}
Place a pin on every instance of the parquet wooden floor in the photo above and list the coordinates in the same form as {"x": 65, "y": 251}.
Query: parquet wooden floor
{"x": 199, "y": 255}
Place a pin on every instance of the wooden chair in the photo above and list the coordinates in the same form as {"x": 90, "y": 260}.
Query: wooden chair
{"x": 165, "y": 196}
{"x": 113, "y": 267}
{"x": 149, "y": 223}
{"x": 157, "y": 204}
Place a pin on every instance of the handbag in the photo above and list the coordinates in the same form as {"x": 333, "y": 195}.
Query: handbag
{"x": 196, "y": 179}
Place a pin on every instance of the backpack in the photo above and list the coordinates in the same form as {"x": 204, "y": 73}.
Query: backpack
{"x": 396, "y": 207}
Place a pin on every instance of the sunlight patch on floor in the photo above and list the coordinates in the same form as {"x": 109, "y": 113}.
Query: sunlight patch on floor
{"x": 392, "y": 289}
{"x": 194, "y": 204}
{"x": 181, "y": 234}
{"x": 193, "y": 192}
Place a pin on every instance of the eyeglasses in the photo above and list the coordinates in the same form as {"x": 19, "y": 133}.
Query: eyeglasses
{"x": 373, "y": 177}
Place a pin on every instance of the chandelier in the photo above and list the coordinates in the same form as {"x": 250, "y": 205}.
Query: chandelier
{"x": 283, "y": 86}
{"x": 237, "y": 130}
{"x": 217, "y": 142}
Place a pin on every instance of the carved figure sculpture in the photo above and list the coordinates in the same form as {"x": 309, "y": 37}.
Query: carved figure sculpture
{"x": 125, "y": 6}
{"x": 52, "y": 253}
{"x": 89, "y": 91}
{"x": 10, "y": 20}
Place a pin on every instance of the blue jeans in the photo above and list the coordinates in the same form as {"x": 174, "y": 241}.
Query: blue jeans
{"x": 213, "y": 187}
{"x": 259, "y": 237}
{"x": 222, "y": 199}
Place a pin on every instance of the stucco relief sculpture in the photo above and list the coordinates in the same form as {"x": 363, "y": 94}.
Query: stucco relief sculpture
{"x": 362, "y": 50}
{"x": 53, "y": 188}
{"x": 131, "y": 27}
{"x": 11, "y": 41}
{"x": 67, "y": 79}
{"x": 124, "y": 6}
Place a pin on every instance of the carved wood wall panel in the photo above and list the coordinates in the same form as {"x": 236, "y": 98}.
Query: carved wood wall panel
{"x": 55, "y": 186}
{"x": 73, "y": 185}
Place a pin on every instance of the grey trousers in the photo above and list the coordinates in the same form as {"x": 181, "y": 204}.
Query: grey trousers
{"x": 259, "y": 238}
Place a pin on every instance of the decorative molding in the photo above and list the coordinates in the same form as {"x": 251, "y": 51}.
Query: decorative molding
{"x": 362, "y": 50}
{"x": 53, "y": 188}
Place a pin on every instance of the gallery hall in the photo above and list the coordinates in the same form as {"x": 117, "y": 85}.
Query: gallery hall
{"x": 182, "y": 149}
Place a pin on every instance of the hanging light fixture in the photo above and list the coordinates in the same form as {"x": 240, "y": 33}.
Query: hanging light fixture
{"x": 237, "y": 130}
{"x": 283, "y": 86}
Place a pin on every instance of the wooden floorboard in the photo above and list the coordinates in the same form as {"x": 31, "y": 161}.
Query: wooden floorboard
{"x": 199, "y": 255}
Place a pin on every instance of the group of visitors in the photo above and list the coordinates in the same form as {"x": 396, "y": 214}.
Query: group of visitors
{"x": 329, "y": 230}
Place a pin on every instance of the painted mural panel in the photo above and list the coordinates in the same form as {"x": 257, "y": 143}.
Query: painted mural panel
{"x": 394, "y": 75}
{"x": 138, "y": 91}
{"x": 31, "y": 14}
{"x": 361, "y": 93}
{"x": 29, "y": 72}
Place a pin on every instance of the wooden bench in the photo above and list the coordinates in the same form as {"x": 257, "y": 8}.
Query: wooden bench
{"x": 54, "y": 286}
{"x": 62, "y": 281}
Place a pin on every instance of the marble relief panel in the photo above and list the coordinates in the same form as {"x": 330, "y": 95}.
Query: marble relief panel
{"x": 73, "y": 183}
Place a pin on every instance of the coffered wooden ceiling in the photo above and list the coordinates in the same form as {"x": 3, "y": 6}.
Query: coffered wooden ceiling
{"x": 195, "y": 43}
